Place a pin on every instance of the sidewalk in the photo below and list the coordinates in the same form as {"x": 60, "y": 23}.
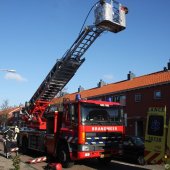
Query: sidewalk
{"x": 6, "y": 164}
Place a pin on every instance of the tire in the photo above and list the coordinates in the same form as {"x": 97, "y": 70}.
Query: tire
{"x": 141, "y": 160}
{"x": 104, "y": 161}
{"x": 24, "y": 147}
{"x": 64, "y": 157}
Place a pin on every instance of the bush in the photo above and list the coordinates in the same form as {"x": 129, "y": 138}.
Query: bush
{"x": 16, "y": 162}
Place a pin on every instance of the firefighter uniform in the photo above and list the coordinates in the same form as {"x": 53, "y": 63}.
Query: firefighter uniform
{"x": 9, "y": 142}
{"x": 16, "y": 132}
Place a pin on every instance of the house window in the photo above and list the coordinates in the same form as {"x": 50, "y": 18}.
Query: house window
{"x": 116, "y": 98}
{"x": 109, "y": 98}
{"x": 123, "y": 100}
{"x": 157, "y": 94}
{"x": 138, "y": 97}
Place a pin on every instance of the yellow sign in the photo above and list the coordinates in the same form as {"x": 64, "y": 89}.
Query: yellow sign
{"x": 167, "y": 164}
{"x": 155, "y": 135}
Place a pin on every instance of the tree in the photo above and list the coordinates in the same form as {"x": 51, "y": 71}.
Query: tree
{"x": 4, "y": 111}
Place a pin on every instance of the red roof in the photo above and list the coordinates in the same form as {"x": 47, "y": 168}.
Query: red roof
{"x": 153, "y": 79}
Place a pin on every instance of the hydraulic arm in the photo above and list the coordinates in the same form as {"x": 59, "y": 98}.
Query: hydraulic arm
{"x": 108, "y": 17}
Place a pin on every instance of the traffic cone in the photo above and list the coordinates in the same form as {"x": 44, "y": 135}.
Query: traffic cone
{"x": 55, "y": 166}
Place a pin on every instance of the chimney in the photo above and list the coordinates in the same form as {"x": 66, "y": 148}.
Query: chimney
{"x": 101, "y": 83}
{"x": 80, "y": 89}
{"x": 165, "y": 69}
{"x": 130, "y": 76}
{"x": 168, "y": 65}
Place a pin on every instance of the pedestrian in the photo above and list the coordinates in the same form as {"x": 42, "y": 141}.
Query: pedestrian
{"x": 7, "y": 141}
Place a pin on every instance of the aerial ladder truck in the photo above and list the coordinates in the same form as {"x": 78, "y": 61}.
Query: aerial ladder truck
{"x": 66, "y": 134}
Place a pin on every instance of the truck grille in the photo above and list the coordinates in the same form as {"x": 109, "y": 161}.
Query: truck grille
{"x": 103, "y": 138}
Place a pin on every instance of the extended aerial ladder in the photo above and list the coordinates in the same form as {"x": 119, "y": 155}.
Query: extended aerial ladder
{"x": 108, "y": 17}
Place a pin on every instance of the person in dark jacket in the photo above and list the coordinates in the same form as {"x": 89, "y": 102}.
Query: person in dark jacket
{"x": 8, "y": 141}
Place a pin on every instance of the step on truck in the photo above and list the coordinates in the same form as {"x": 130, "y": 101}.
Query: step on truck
{"x": 85, "y": 128}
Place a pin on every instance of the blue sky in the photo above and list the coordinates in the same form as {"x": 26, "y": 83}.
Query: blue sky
{"x": 35, "y": 33}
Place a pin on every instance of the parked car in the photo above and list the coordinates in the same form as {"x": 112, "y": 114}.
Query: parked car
{"x": 133, "y": 149}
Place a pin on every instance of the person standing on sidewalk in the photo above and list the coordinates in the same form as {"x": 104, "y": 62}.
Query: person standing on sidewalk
{"x": 8, "y": 141}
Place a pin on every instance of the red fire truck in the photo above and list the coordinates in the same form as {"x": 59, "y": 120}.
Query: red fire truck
{"x": 83, "y": 128}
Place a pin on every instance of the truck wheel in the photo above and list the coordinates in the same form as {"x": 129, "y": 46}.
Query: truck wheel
{"x": 24, "y": 146}
{"x": 64, "y": 157}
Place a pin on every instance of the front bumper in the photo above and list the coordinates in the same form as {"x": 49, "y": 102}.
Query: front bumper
{"x": 95, "y": 154}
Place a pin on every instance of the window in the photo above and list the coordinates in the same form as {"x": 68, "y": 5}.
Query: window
{"x": 53, "y": 108}
{"x": 116, "y": 98}
{"x": 138, "y": 97}
{"x": 74, "y": 113}
{"x": 109, "y": 98}
{"x": 123, "y": 100}
{"x": 157, "y": 94}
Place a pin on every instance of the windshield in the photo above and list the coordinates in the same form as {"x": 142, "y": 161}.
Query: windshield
{"x": 96, "y": 114}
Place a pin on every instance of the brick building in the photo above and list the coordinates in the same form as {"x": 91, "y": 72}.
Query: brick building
{"x": 136, "y": 94}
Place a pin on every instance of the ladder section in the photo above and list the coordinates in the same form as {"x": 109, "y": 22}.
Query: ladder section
{"x": 83, "y": 42}
{"x": 59, "y": 76}
{"x": 66, "y": 67}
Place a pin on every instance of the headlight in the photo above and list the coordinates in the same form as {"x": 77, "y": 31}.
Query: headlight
{"x": 85, "y": 148}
